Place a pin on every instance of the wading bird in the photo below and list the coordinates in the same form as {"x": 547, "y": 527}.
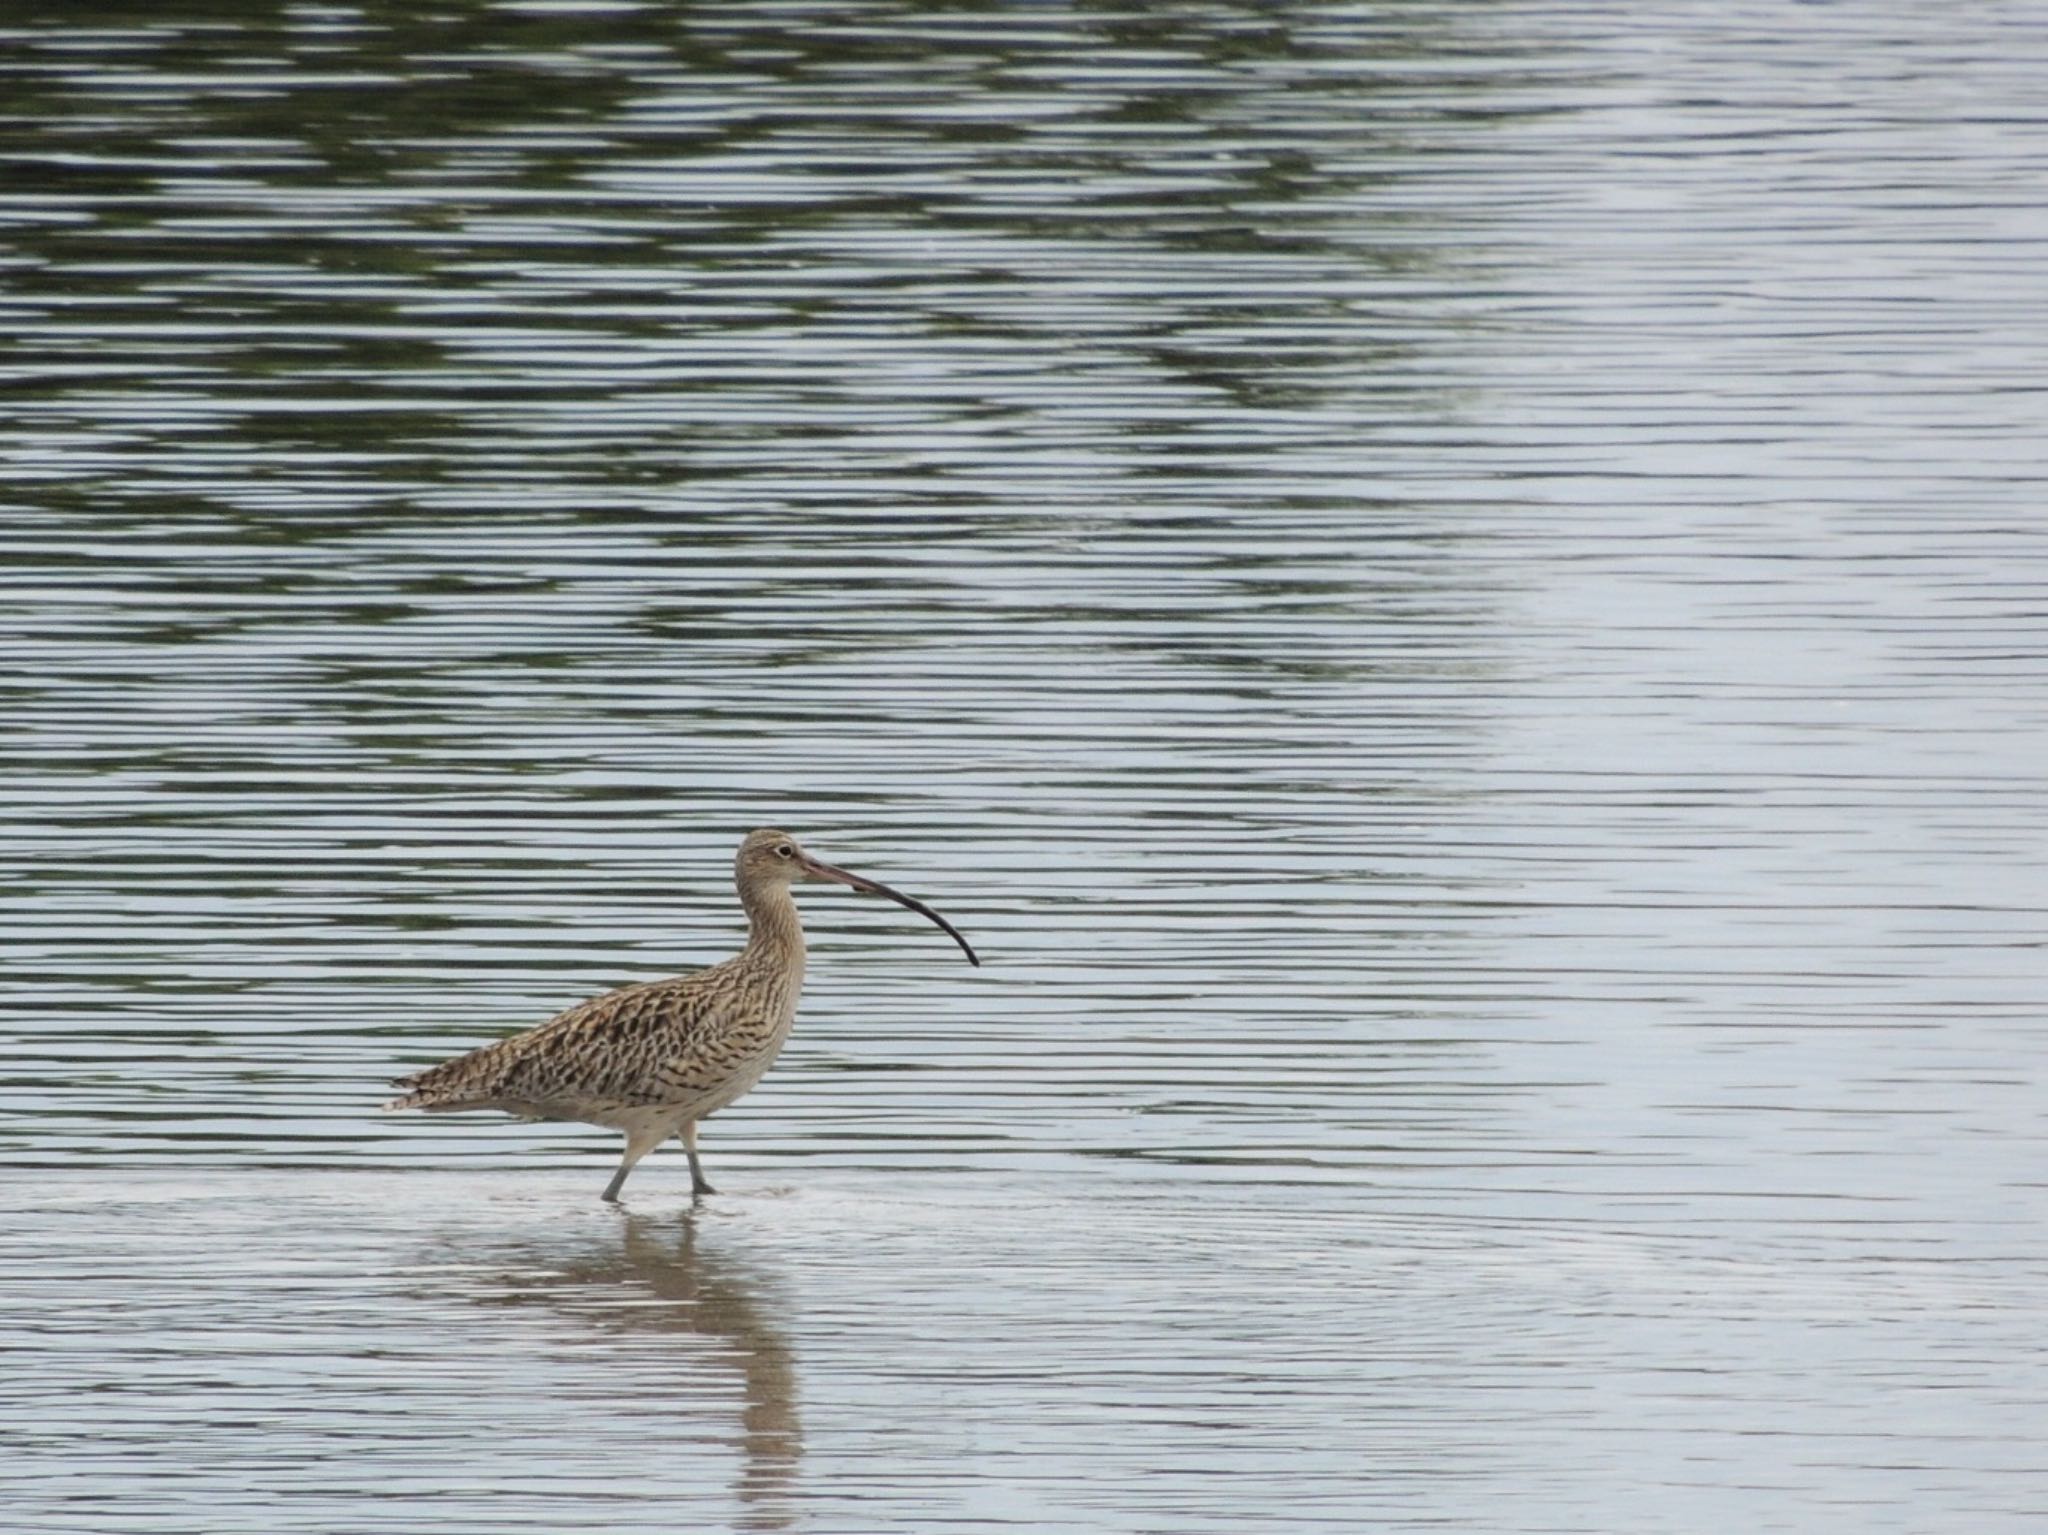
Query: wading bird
{"x": 652, "y": 1060}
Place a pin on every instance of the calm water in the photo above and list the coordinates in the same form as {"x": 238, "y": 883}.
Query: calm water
{"x": 1454, "y": 595}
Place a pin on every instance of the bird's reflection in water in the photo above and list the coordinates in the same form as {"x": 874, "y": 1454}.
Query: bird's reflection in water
{"x": 660, "y": 1275}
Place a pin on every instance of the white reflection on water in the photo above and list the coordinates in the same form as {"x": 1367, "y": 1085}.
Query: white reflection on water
{"x": 489, "y": 1353}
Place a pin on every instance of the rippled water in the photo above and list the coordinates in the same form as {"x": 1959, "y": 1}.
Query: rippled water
{"x": 1455, "y": 597}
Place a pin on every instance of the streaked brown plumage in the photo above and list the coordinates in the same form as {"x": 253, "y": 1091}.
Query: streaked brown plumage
{"x": 652, "y": 1060}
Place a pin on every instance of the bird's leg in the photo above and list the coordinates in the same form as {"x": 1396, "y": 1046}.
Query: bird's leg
{"x": 638, "y": 1144}
{"x": 699, "y": 1184}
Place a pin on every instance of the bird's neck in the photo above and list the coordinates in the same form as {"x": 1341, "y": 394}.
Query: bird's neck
{"x": 774, "y": 932}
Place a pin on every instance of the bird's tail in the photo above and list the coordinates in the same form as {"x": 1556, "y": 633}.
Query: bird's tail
{"x": 412, "y": 1099}
{"x": 472, "y": 1081}
{"x": 438, "y": 1089}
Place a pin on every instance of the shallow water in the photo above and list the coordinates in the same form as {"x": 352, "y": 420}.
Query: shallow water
{"x": 1453, "y": 597}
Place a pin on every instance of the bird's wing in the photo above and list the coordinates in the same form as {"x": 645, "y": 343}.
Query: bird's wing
{"x": 608, "y": 1049}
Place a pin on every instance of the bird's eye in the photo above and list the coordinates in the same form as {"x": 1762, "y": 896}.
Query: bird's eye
{"x": 785, "y": 851}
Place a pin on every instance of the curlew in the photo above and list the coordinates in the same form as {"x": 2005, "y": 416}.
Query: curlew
{"x": 652, "y": 1060}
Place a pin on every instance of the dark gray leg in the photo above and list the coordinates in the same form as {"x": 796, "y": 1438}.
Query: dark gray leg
{"x": 637, "y": 1146}
{"x": 699, "y": 1184}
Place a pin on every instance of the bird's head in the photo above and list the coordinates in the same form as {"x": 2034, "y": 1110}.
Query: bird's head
{"x": 775, "y": 860}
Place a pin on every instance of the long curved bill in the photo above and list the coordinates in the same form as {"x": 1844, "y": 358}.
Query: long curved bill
{"x": 817, "y": 870}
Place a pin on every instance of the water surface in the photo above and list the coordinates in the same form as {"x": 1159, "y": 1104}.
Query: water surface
{"x": 1452, "y": 596}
